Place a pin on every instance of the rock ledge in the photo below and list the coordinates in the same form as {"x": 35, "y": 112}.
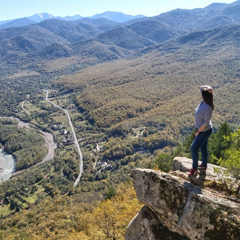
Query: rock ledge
{"x": 176, "y": 209}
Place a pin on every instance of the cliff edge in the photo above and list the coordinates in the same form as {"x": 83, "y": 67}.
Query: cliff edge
{"x": 179, "y": 208}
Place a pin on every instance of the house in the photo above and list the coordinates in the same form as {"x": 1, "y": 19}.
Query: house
{"x": 56, "y": 126}
{"x": 64, "y": 132}
{"x": 99, "y": 148}
{"x": 104, "y": 165}
{"x": 69, "y": 140}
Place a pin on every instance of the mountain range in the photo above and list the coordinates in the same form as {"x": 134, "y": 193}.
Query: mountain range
{"x": 55, "y": 48}
{"x": 36, "y": 18}
{"x": 102, "y": 39}
{"x": 130, "y": 87}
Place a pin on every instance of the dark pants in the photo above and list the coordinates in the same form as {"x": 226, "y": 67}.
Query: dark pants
{"x": 200, "y": 142}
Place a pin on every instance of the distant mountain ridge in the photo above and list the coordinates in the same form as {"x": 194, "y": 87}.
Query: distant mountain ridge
{"x": 116, "y": 16}
{"x": 214, "y": 15}
{"x": 110, "y": 15}
{"x": 39, "y": 17}
{"x": 100, "y": 40}
{"x": 17, "y": 23}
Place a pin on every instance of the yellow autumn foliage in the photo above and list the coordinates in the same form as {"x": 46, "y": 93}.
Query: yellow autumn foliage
{"x": 66, "y": 218}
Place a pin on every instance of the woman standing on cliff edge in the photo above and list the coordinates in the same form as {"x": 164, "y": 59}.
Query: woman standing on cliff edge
{"x": 203, "y": 116}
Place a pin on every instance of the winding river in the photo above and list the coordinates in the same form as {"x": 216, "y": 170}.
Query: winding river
{"x": 7, "y": 161}
{"x": 7, "y": 165}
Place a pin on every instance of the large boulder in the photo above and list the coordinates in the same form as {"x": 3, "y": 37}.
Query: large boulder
{"x": 176, "y": 209}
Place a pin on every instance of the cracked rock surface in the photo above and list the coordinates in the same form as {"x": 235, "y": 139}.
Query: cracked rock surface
{"x": 175, "y": 208}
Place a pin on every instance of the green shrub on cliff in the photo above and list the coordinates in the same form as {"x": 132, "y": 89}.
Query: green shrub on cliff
{"x": 231, "y": 159}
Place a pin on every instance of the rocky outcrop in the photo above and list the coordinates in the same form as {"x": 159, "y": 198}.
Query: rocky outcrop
{"x": 177, "y": 209}
{"x": 182, "y": 165}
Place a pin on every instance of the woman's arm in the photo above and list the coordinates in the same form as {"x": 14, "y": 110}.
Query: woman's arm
{"x": 206, "y": 120}
{"x": 200, "y": 130}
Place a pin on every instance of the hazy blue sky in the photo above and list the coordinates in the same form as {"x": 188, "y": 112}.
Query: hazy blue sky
{"x": 12, "y": 9}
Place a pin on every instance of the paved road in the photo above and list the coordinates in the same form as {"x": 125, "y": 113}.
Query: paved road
{"x": 75, "y": 139}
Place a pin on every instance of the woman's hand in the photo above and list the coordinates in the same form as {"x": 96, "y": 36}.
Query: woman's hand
{"x": 196, "y": 133}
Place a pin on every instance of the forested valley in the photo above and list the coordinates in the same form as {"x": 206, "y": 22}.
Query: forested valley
{"x": 131, "y": 95}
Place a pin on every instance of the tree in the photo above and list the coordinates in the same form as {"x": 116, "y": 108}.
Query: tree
{"x": 50, "y": 190}
{"x": 218, "y": 142}
{"x": 231, "y": 158}
{"x": 15, "y": 204}
{"x": 111, "y": 192}
{"x": 164, "y": 162}
{"x": 113, "y": 216}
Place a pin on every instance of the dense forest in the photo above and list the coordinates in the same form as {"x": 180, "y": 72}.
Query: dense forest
{"x": 107, "y": 210}
{"x": 131, "y": 91}
{"x": 27, "y": 146}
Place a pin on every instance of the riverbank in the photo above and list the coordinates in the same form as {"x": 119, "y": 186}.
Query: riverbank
{"x": 51, "y": 145}
{"x": 7, "y": 165}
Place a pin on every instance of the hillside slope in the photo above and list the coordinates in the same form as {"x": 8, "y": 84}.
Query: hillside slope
{"x": 85, "y": 42}
{"x": 160, "y": 86}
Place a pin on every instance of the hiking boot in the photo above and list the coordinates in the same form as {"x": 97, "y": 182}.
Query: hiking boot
{"x": 202, "y": 168}
{"x": 192, "y": 172}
